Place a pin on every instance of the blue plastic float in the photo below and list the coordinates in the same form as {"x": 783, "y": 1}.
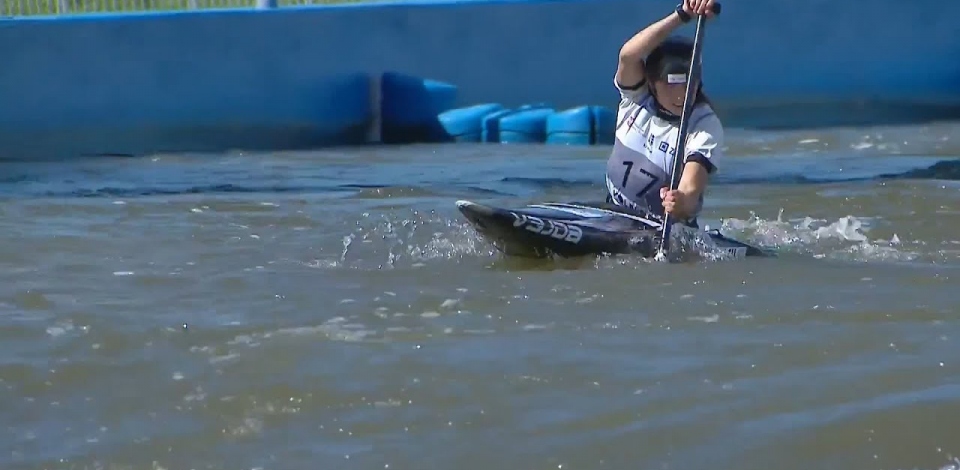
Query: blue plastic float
{"x": 604, "y": 125}
{"x": 570, "y": 127}
{"x": 410, "y": 107}
{"x": 490, "y": 125}
{"x": 415, "y": 109}
{"x": 491, "y": 122}
{"x": 525, "y": 126}
{"x": 466, "y": 124}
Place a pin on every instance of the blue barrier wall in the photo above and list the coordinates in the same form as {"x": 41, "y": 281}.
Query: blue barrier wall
{"x": 300, "y": 77}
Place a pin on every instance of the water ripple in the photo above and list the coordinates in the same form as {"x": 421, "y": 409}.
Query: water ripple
{"x": 332, "y": 309}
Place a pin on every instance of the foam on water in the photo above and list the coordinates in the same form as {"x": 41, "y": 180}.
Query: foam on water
{"x": 844, "y": 239}
{"x": 954, "y": 462}
{"x": 333, "y": 314}
{"x": 413, "y": 239}
{"x": 386, "y": 240}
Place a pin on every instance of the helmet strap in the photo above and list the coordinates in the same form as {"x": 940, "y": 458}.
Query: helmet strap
{"x": 660, "y": 111}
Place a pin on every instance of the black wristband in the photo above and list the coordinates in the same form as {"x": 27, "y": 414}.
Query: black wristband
{"x": 684, "y": 16}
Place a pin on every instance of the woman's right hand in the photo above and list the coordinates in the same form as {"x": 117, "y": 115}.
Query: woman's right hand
{"x": 699, "y": 7}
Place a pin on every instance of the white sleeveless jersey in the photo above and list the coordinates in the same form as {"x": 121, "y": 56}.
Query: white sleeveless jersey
{"x": 643, "y": 152}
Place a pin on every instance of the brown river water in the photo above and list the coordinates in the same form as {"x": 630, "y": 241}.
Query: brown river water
{"x": 332, "y": 310}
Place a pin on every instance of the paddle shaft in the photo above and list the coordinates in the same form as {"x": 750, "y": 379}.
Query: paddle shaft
{"x": 693, "y": 81}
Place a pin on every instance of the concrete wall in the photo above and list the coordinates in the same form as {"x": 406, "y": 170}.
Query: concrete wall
{"x": 299, "y": 77}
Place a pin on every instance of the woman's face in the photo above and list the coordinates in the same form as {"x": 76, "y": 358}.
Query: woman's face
{"x": 670, "y": 95}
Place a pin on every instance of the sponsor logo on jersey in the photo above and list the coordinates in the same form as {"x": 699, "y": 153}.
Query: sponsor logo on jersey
{"x": 662, "y": 146}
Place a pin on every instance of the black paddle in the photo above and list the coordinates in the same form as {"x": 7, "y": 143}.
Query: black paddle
{"x": 693, "y": 79}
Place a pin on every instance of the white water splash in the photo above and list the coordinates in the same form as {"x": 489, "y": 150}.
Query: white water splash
{"x": 413, "y": 240}
{"x": 347, "y": 240}
{"x": 845, "y": 238}
{"x": 390, "y": 241}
